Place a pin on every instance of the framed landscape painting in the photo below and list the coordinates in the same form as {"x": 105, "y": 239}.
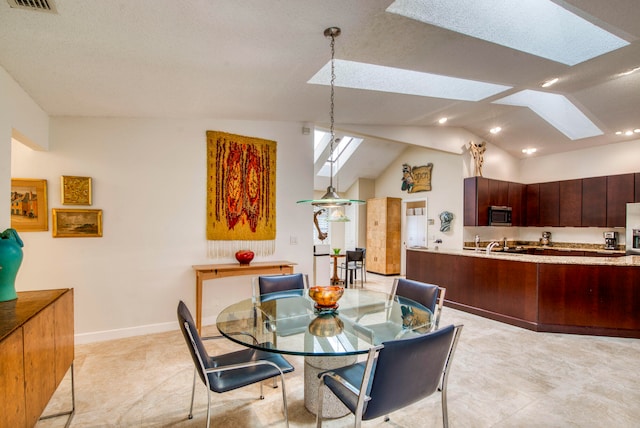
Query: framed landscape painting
{"x": 77, "y": 223}
{"x": 29, "y": 204}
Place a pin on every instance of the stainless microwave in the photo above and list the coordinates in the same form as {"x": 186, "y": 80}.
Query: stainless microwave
{"x": 499, "y": 216}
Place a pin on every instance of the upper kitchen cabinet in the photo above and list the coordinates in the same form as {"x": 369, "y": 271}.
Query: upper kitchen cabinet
{"x": 532, "y": 207}
{"x": 549, "y": 204}
{"x": 594, "y": 202}
{"x": 571, "y": 203}
{"x": 637, "y": 186}
{"x": 517, "y": 202}
{"x": 498, "y": 193}
{"x": 620, "y": 191}
{"x": 476, "y": 201}
{"x": 481, "y": 193}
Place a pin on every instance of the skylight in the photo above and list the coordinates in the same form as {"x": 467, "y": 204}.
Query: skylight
{"x": 557, "y": 110}
{"x": 538, "y": 27}
{"x": 358, "y": 75}
{"x": 343, "y": 148}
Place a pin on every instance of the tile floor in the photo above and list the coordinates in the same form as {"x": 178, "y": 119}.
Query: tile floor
{"x": 502, "y": 376}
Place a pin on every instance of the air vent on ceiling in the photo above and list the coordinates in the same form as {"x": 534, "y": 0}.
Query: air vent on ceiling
{"x": 41, "y": 5}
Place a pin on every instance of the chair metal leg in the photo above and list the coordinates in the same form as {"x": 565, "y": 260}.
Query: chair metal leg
{"x": 193, "y": 391}
{"x": 71, "y": 413}
{"x": 208, "y": 407}
{"x": 284, "y": 402}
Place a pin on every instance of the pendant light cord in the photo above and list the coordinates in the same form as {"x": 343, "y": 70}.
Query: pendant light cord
{"x": 331, "y": 105}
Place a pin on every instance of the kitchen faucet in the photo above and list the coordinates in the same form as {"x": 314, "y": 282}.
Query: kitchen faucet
{"x": 477, "y": 242}
{"x": 491, "y": 245}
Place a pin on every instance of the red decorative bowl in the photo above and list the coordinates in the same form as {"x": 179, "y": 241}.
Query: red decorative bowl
{"x": 244, "y": 256}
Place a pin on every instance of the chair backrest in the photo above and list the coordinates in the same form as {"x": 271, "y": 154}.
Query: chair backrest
{"x": 194, "y": 342}
{"x": 408, "y": 370}
{"x": 265, "y": 284}
{"x": 428, "y": 295}
{"x": 355, "y": 256}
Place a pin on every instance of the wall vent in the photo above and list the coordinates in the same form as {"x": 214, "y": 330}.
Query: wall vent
{"x": 41, "y": 5}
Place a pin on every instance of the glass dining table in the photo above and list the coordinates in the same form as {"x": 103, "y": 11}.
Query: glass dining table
{"x": 289, "y": 323}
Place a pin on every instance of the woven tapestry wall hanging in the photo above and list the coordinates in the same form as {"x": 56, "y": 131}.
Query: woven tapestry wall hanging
{"x": 241, "y": 194}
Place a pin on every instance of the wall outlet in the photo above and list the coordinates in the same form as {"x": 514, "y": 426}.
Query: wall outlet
{"x": 293, "y": 240}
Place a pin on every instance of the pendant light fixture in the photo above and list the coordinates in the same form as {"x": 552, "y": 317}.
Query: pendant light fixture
{"x": 331, "y": 199}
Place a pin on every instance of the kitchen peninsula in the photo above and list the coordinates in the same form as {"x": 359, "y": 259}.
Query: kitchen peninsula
{"x": 580, "y": 295}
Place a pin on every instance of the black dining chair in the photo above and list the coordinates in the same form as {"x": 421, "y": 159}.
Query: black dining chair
{"x": 295, "y": 283}
{"x": 282, "y": 316}
{"x": 353, "y": 263}
{"x": 226, "y": 372}
{"x": 428, "y": 295}
{"x": 364, "y": 262}
{"x": 402, "y": 319}
{"x": 396, "y": 374}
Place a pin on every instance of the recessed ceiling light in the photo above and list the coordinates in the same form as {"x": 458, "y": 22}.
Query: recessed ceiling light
{"x": 442, "y": 120}
{"x": 549, "y": 82}
{"x": 618, "y": 132}
{"x": 538, "y": 27}
{"x": 627, "y": 133}
{"x": 359, "y": 75}
{"x": 555, "y": 109}
{"x": 495, "y": 130}
{"x": 529, "y": 151}
{"x": 637, "y": 130}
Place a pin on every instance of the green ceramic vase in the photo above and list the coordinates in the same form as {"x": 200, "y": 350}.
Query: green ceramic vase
{"x": 10, "y": 260}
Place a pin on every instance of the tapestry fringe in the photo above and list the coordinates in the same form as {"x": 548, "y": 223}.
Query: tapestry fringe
{"x": 223, "y": 249}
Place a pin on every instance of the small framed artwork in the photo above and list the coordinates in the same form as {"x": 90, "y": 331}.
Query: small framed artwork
{"x": 76, "y": 223}
{"x": 29, "y": 204}
{"x": 75, "y": 190}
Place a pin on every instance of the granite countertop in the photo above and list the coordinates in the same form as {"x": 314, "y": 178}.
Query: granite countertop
{"x": 531, "y": 258}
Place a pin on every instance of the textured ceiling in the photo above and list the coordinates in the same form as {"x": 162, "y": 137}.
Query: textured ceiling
{"x": 252, "y": 59}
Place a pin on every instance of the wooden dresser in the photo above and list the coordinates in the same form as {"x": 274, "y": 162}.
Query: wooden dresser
{"x": 36, "y": 351}
{"x": 383, "y": 235}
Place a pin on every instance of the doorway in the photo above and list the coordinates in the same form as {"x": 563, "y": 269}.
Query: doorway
{"x": 414, "y": 227}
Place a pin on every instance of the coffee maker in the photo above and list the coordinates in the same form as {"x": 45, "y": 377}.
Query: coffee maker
{"x": 610, "y": 240}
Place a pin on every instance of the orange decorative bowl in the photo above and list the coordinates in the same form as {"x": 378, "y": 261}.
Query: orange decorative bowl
{"x": 326, "y": 297}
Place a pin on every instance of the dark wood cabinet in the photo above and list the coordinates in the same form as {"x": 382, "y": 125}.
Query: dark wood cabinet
{"x": 549, "y": 204}
{"x": 476, "y": 201}
{"x": 516, "y": 202}
{"x": 594, "y": 202}
{"x": 570, "y": 203}
{"x": 498, "y": 192}
{"x": 620, "y": 191}
{"x": 532, "y": 207}
{"x": 554, "y": 297}
{"x": 588, "y": 202}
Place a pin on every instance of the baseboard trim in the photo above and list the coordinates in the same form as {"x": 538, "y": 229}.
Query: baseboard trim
{"x": 122, "y": 333}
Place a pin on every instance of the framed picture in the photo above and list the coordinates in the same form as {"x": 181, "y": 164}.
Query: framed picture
{"x": 75, "y": 190}
{"x": 29, "y": 204}
{"x": 76, "y": 223}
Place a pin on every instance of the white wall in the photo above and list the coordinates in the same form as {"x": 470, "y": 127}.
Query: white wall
{"x": 611, "y": 159}
{"x": 22, "y": 119}
{"x": 446, "y": 193}
{"x": 149, "y": 178}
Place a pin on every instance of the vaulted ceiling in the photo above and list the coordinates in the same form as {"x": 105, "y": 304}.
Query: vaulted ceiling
{"x": 252, "y": 59}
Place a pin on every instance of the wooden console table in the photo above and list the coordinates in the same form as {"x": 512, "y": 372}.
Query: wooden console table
{"x": 204, "y": 272}
{"x": 36, "y": 352}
